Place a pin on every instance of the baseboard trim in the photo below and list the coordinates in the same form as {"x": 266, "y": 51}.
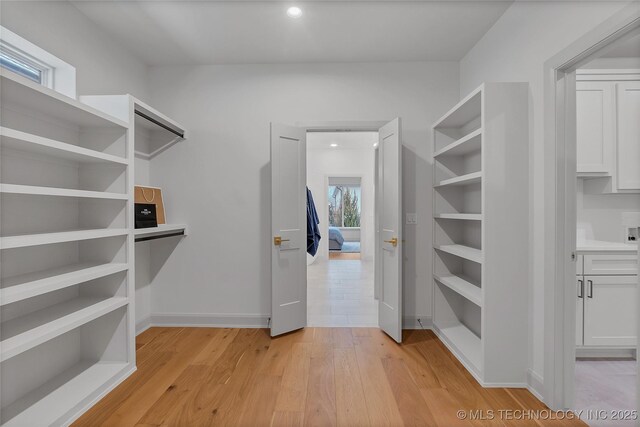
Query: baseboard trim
{"x": 535, "y": 384}
{"x": 143, "y": 325}
{"x": 211, "y": 320}
{"x": 411, "y": 322}
{"x": 240, "y": 321}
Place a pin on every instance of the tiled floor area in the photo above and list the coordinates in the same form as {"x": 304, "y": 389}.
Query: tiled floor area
{"x": 340, "y": 293}
{"x": 605, "y": 385}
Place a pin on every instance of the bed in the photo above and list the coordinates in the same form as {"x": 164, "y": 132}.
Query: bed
{"x": 336, "y": 240}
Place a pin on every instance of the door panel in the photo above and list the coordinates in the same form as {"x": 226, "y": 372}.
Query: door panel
{"x": 289, "y": 232}
{"x": 390, "y": 302}
{"x": 628, "y": 135}
{"x": 610, "y": 310}
{"x": 595, "y": 134}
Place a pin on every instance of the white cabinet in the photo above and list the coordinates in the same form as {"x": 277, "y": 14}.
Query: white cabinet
{"x": 595, "y": 128}
{"x": 610, "y": 310}
{"x": 606, "y": 301}
{"x": 628, "y": 129}
{"x": 610, "y": 265}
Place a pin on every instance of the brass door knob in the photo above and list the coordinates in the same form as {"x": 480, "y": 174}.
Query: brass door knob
{"x": 393, "y": 241}
{"x": 278, "y": 240}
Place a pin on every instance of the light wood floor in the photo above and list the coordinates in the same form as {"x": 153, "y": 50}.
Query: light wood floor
{"x": 316, "y": 376}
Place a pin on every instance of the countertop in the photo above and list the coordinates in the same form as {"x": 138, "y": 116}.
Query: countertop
{"x": 597, "y": 246}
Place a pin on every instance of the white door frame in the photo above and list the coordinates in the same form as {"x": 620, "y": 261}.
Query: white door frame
{"x": 560, "y": 200}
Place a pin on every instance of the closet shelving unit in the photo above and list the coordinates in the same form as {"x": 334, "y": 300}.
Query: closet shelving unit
{"x": 480, "y": 205}
{"x": 152, "y": 133}
{"x": 66, "y": 249}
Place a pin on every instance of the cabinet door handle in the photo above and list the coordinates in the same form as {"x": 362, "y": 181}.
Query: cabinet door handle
{"x": 580, "y": 288}
{"x": 590, "y": 289}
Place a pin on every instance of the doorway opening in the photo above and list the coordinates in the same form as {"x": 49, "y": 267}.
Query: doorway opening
{"x": 341, "y": 276}
{"x": 586, "y": 314}
{"x": 607, "y": 90}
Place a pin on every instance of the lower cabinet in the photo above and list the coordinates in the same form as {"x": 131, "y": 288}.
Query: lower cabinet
{"x": 607, "y": 307}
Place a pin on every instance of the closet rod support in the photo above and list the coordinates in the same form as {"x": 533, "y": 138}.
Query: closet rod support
{"x": 162, "y": 125}
{"x": 162, "y": 236}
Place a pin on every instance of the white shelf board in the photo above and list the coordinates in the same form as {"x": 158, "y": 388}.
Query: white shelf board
{"x": 11, "y": 242}
{"x": 160, "y": 230}
{"x": 460, "y": 216}
{"x": 470, "y": 178}
{"x": 25, "y": 332}
{"x": 464, "y": 344}
{"x": 61, "y": 192}
{"x": 463, "y": 112}
{"x": 50, "y": 403}
{"x": 24, "y": 94}
{"x": 18, "y": 140}
{"x": 468, "y": 144}
{"x": 25, "y": 286}
{"x": 463, "y": 286}
{"x": 466, "y": 252}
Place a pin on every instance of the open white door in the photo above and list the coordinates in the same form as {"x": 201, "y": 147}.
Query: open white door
{"x": 289, "y": 229}
{"x": 390, "y": 249}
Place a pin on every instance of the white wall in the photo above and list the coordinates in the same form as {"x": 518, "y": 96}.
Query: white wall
{"x": 515, "y": 49}
{"x": 102, "y": 66}
{"x": 324, "y": 161}
{"x": 218, "y": 180}
{"x": 601, "y": 216}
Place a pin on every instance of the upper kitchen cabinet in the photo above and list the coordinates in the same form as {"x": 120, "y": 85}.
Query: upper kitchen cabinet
{"x": 608, "y": 130}
{"x": 628, "y": 127}
{"x": 595, "y": 110}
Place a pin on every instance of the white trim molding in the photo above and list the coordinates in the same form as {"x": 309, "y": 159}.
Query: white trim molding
{"x": 58, "y": 75}
{"x": 535, "y": 384}
{"x": 413, "y": 322}
{"x": 212, "y": 320}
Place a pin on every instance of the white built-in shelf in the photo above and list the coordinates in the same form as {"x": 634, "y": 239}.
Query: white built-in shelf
{"x": 49, "y": 403}
{"x": 61, "y": 192}
{"x": 463, "y": 286}
{"x": 464, "y": 344}
{"x": 25, "y": 332}
{"x": 468, "y": 179}
{"x": 11, "y": 242}
{"x": 466, "y": 252}
{"x": 21, "y": 93}
{"x": 162, "y": 230}
{"x": 25, "y": 286}
{"x": 461, "y": 216}
{"x": 18, "y": 140}
{"x": 468, "y": 144}
{"x": 463, "y": 112}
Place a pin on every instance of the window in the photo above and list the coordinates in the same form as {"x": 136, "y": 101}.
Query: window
{"x": 36, "y": 64}
{"x": 345, "y": 205}
{"x": 18, "y": 65}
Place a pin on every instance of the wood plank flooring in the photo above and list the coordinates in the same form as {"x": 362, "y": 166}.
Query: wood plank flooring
{"x": 312, "y": 377}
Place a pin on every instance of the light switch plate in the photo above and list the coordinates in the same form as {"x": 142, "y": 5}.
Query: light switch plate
{"x": 412, "y": 218}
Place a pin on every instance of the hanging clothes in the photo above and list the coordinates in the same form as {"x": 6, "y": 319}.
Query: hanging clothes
{"x": 313, "y": 231}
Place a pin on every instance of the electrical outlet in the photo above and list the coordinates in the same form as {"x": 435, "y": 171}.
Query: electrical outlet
{"x": 412, "y": 218}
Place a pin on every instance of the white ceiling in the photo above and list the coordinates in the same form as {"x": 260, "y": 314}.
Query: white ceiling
{"x": 344, "y": 140}
{"x": 214, "y": 32}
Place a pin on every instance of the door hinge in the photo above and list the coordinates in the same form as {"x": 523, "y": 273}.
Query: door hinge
{"x": 574, "y": 257}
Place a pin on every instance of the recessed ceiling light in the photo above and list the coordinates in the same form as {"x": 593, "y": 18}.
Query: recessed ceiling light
{"x": 294, "y": 12}
{"x": 375, "y": 145}
{"x": 334, "y": 145}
